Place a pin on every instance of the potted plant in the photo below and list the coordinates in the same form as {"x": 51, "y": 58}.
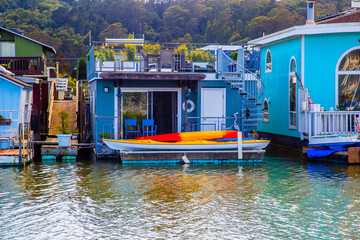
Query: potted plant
{"x": 64, "y": 136}
{"x": 4, "y": 121}
{"x": 75, "y": 133}
{"x": 253, "y": 134}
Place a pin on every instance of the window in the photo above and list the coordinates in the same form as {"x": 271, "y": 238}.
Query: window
{"x": 266, "y": 111}
{"x": 292, "y": 94}
{"x": 268, "y": 62}
{"x": 348, "y": 76}
{"x": 7, "y": 49}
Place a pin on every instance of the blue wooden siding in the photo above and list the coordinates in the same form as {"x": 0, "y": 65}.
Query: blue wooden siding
{"x": 277, "y": 85}
{"x": 10, "y": 94}
{"x": 322, "y": 53}
{"x": 233, "y": 98}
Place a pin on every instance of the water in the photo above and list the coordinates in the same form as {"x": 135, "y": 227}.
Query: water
{"x": 282, "y": 198}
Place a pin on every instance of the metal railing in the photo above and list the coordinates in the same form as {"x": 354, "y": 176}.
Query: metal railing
{"x": 213, "y": 123}
{"x": 240, "y": 77}
{"x": 104, "y": 128}
{"x": 9, "y": 127}
{"x": 110, "y": 59}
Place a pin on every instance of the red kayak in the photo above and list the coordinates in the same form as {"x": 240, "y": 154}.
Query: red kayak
{"x": 190, "y": 136}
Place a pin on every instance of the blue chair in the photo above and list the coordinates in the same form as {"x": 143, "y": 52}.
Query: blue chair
{"x": 148, "y": 127}
{"x": 131, "y": 128}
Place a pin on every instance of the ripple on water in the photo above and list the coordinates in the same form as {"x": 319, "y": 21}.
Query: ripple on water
{"x": 277, "y": 200}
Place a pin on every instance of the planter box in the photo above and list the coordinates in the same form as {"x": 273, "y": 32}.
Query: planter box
{"x": 5, "y": 122}
{"x": 64, "y": 140}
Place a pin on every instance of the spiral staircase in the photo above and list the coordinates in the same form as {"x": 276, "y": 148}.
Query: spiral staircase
{"x": 243, "y": 76}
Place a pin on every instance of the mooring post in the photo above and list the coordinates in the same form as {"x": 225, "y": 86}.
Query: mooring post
{"x": 59, "y": 158}
{"x": 185, "y": 159}
{"x": 240, "y": 153}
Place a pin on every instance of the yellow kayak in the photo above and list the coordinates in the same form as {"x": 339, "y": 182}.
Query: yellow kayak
{"x": 189, "y": 136}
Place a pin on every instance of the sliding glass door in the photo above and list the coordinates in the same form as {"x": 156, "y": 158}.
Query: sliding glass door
{"x": 162, "y": 106}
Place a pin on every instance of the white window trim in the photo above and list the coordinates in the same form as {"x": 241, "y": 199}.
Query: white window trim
{"x": 268, "y": 70}
{"x": 268, "y": 112}
{"x": 337, "y": 73}
{"x": 292, "y": 74}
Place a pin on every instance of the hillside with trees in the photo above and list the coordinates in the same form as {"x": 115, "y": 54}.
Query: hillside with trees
{"x": 64, "y": 23}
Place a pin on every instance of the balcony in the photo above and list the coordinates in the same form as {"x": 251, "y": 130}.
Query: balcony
{"x": 118, "y": 59}
{"x": 23, "y": 65}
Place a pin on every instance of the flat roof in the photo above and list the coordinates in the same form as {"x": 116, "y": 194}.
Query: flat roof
{"x": 307, "y": 30}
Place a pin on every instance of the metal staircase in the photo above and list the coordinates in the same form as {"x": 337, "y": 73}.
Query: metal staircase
{"x": 249, "y": 85}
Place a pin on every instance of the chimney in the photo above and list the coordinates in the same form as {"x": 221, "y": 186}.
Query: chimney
{"x": 18, "y": 31}
{"x": 310, "y": 12}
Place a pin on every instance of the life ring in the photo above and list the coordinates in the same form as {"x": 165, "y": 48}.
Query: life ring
{"x": 191, "y": 108}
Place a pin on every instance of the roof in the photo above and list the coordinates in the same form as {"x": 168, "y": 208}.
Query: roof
{"x": 136, "y": 41}
{"x": 47, "y": 47}
{"x": 348, "y": 15}
{"x": 15, "y": 80}
{"x": 307, "y": 30}
{"x": 223, "y": 47}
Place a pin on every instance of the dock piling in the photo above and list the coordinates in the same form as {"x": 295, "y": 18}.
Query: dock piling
{"x": 240, "y": 153}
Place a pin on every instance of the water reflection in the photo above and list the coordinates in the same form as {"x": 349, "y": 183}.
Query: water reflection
{"x": 279, "y": 199}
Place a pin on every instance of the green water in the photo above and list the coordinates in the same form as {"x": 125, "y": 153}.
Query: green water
{"x": 282, "y": 198}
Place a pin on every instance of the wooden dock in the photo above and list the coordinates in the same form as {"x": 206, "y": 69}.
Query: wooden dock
{"x": 15, "y": 157}
{"x": 51, "y": 147}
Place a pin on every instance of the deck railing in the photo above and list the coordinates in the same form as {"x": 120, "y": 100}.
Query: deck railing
{"x": 213, "y": 123}
{"x": 332, "y": 122}
{"x": 151, "y": 60}
{"x": 23, "y": 65}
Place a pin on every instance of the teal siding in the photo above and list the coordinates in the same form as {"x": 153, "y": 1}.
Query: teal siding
{"x": 322, "y": 53}
{"x": 277, "y": 85}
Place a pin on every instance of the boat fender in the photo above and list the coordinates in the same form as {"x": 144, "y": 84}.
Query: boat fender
{"x": 191, "y": 108}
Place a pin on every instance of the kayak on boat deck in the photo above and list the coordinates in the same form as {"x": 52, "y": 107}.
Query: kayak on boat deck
{"x": 189, "y": 136}
{"x": 144, "y": 145}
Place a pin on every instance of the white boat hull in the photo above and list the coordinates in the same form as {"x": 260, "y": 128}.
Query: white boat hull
{"x": 133, "y": 146}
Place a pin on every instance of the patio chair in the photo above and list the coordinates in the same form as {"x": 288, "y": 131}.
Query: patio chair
{"x": 131, "y": 128}
{"x": 148, "y": 127}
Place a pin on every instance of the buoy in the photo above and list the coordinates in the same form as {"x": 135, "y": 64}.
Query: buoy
{"x": 185, "y": 159}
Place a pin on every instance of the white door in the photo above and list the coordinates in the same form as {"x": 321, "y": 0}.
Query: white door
{"x": 212, "y": 109}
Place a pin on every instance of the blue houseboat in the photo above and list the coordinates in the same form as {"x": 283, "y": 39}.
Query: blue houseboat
{"x": 15, "y": 115}
{"x": 312, "y": 76}
{"x": 172, "y": 88}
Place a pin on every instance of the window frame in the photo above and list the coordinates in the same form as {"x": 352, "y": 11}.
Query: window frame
{"x": 292, "y": 77}
{"x": 346, "y": 72}
{"x": 268, "y": 65}
{"x": 266, "y": 111}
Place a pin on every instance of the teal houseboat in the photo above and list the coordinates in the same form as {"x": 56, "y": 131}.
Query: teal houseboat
{"x": 312, "y": 77}
{"x": 172, "y": 88}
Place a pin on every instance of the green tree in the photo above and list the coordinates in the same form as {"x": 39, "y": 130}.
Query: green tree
{"x": 115, "y": 30}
